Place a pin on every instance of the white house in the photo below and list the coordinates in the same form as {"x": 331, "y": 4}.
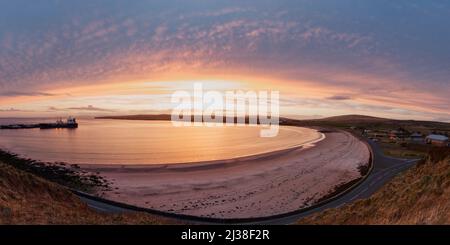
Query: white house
{"x": 437, "y": 139}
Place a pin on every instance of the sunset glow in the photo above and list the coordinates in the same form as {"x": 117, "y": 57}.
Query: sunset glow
{"x": 126, "y": 58}
{"x": 240, "y": 116}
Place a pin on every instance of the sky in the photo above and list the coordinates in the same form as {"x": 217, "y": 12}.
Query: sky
{"x": 326, "y": 57}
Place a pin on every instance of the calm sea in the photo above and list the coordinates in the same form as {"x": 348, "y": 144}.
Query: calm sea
{"x": 144, "y": 142}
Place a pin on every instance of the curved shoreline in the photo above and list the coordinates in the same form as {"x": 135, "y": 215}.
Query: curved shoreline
{"x": 202, "y": 164}
{"x": 260, "y": 186}
{"x": 193, "y": 147}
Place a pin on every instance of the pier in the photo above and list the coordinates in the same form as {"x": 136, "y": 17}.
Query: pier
{"x": 70, "y": 123}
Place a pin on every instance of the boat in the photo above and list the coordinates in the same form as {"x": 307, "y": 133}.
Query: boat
{"x": 70, "y": 123}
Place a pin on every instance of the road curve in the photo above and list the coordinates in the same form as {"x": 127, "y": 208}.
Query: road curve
{"x": 384, "y": 169}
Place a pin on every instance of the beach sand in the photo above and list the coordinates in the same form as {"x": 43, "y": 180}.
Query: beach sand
{"x": 257, "y": 186}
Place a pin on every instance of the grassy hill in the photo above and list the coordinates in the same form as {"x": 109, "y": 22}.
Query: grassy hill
{"x": 337, "y": 121}
{"x": 355, "y": 118}
{"x": 419, "y": 196}
{"x": 374, "y": 123}
{"x": 28, "y": 199}
{"x": 381, "y": 127}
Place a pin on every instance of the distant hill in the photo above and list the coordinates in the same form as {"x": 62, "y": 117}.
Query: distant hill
{"x": 343, "y": 121}
{"x": 158, "y": 117}
{"x": 356, "y": 118}
{"x": 369, "y": 122}
{"x": 363, "y": 119}
{"x": 419, "y": 196}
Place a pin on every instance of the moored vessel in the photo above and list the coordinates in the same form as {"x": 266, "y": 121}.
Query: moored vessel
{"x": 70, "y": 123}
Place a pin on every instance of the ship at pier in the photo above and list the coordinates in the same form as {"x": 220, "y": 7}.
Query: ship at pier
{"x": 70, "y": 123}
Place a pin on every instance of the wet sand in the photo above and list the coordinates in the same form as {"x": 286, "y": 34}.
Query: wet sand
{"x": 256, "y": 186}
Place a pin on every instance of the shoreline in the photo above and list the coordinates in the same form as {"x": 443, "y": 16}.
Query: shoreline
{"x": 253, "y": 186}
{"x": 204, "y": 164}
{"x": 67, "y": 175}
{"x": 159, "y": 153}
{"x": 257, "y": 186}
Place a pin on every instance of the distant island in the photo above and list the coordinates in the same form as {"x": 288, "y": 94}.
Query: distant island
{"x": 361, "y": 121}
{"x": 160, "y": 117}
{"x": 156, "y": 117}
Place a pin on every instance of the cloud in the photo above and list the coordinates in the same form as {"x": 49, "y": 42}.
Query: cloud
{"x": 90, "y": 108}
{"x": 11, "y": 110}
{"x": 53, "y": 108}
{"x": 18, "y": 93}
{"x": 339, "y": 97}
{"x": 346, "y": 49}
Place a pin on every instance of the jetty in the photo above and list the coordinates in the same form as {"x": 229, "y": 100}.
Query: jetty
{"x": 71, "y": 122}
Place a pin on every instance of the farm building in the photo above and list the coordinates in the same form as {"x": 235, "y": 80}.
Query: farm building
{"x": 436, "y": 139}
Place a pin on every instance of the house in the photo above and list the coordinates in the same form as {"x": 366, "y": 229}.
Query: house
{"x": 397, "y": 134}
{"x": 393, "y": 134}
{"x": 416, "y": 137}
{"x": 436, "y": 139}
{"x": 366, "y": 131}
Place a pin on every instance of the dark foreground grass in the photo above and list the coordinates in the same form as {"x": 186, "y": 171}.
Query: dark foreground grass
{"x": 69, "y": 175}
{"x": 28, "y": 199}
{"x": 419, "y": 196}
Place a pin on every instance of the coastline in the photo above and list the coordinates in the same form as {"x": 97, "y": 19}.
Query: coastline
{"x": 203, "y": 164}
{"x": 130, "y": 143}
{"x": 255, "y": 186}
{"x": 184, "y": 188}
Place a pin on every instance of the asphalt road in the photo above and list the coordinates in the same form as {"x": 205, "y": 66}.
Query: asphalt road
{"x": 384, "y": 169}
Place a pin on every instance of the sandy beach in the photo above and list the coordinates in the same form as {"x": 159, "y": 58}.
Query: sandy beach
{"x": 255, "y": 186}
